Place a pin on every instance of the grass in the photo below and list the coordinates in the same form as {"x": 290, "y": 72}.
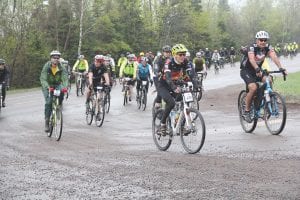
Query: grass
{"x": 290, "y": 89}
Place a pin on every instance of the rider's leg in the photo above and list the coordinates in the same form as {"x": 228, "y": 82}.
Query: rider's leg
{"x": 252, "y": 87}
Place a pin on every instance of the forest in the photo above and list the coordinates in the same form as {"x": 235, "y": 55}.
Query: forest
{"x": 31, "y": 29}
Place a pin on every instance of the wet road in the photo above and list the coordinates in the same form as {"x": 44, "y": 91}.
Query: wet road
{"x": 120, "y": 160}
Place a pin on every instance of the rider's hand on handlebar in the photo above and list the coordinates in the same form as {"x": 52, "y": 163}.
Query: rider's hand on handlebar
{"x": 283, "y": 70}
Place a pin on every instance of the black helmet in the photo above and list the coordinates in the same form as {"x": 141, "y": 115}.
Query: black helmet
{"x": 2, "y": 61}
{"x": 166, "y": 48}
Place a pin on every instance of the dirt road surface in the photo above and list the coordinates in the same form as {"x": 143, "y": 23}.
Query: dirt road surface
{"x": 120, "y": 160}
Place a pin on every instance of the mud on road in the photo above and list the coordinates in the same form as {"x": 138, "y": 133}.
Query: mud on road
{"x": 123, "y": 163}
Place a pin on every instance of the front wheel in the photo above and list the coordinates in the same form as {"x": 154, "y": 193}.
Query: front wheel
{"x": 144, "y": 99}
{"x": 275, "y": 114}
{"x": 247, "y": 127}
{"x": 162, "y": 142}
{"x": 125, "y": 101}
{"x": 192, "y": 131}
{"x": 56, "y": 124}
{"x": 99, "y": 116}
{"x": 89, "y": 112}
{"x": 107, "y": 102}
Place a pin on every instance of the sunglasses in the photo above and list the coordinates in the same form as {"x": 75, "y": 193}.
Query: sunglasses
{"x": 55, "y": 58}
{"x": 181, "y": 54}
{"x": 263, "y": 40}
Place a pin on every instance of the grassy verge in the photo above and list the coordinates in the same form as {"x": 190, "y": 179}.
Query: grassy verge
{"x": 290, "y": 88}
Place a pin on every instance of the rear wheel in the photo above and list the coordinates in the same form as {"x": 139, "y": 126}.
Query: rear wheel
{"x": 162, "y": 142}
{"x": 247, "y": 127}
{"x": 193, "y": 131}
{"x": 275, "y": 114}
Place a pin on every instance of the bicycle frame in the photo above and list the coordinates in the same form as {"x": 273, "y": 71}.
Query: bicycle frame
{"x": 183, "y": 107}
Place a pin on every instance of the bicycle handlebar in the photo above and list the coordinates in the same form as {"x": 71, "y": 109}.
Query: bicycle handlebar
{"x": 277, "y": 72}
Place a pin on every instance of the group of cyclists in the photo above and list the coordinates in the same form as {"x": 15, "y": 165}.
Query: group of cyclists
{"x": 167, "y": 70}
{"x": 286, "y": 49}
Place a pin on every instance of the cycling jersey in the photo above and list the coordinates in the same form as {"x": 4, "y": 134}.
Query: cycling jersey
{"x": 81, "y": 65}
{"x": 129, "y": 70}
{"x": 144, "y": 71}
{"x": 98, "y": 73}
{"x": 173, "y": 72}
{"x": 259, "y": 55}
{"x": 4, "y": 73}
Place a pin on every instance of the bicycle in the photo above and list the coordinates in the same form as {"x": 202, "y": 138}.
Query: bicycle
{"x": 80, "y": 83}
{"x": 232, "y": 57}
{"x": 199, "y": 91}
{"x": 142, "y": 97}
{"x": 266, "y": 104}
{"x": 126, "y": 89}
{"x": 56, "y": 118}
{"x": 183, "y": 121}
{"x": 216, "y": 66}
{"x": 96, "y": 107}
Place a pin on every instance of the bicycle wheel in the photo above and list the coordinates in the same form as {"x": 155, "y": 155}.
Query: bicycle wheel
{"x": 82, "y": 88}
{"x": 247, "y": 127}
{"x": 162, "y": 142}
{"x": 99, "y": 117}
{"x": 139, "y": 100}
{"x": 275, "y": 114}
{"x": 90, "y": 112}
{"x": 58, "y": 124}
{"x": 107, "y": 102}
{"x": 195, "y": 103}
{"x": 199, "y": 94}
{"x": 78, "y": 87}
{"x": 125, "y": 97}
{"x": 193, "y": 131}
{"x": 144, "y": 99}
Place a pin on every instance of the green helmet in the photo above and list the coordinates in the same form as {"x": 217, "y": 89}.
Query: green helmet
{"x": 178, "y": 48}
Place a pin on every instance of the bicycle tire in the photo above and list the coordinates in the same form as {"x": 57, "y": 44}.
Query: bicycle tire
{"x": 125, "y": 97}
{"x": 90, "y": 112}
{"x": 161, "y": 142}
{"x": 100, "y": 114}
{"x": 77, "y": 87}
{"x": 199, "y": 94}
{"x": 247, "y": 127}
{"x": 277, "y": 102}
{"x": 139, "y": 100}
{"x": 191, "y": 139}
{"x": 107, "y": 102}
{"x": 58, "y": 124}
{"x": 144, "y": 99}
{"x": 82, "y": 88}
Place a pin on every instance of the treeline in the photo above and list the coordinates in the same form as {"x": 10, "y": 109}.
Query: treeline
{"x": 30, "y": 29}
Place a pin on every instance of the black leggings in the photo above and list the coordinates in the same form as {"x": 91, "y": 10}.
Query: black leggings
{"x": 169, "y": 99}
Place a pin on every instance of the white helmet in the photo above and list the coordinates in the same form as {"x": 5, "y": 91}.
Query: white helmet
{"x": 198, "y": 54}
{"x": 55, "y": 53}
{"x": 188, "y": 54}
{"x": 262, "y": 35}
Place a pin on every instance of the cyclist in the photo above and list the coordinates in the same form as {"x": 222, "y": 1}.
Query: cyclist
{"x": 97, "y": 74}
{"x": 216, "y": 58}
{"x": 157, "y": 72}
{"x": 174, "y": 70}
{"x": 251, "y": 66}
{"x": 121, "y": 61}
{"x": 81, "y": 66}
{"x": 53, "y": 75}
{"x": 128, "y": 70}
{"x": 144, "y": 73}
{"x": 232, "y": 55}
{"x": 199, "y": 63}
{"x": 207, "y": 56}
{"x": 4, "y": 80}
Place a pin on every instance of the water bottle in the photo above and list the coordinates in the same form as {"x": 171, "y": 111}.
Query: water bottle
{"x": 172, "y": 115}
{"x": 267, "y": 96}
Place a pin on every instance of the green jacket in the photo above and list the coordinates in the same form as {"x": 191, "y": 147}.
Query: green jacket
{"x": 48, "y": 79}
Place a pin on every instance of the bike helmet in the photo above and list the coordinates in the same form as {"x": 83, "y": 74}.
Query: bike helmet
{"x": 144, "y": 59}
{"x": 131, "y": 57}
{"x": 178, "y": 48}
{"x": 2, "y": 61}
{"x": 188, "y": 54}
{"x": 81, "y": 56}
{"x": 142, "y": 54}
{"x": 99, "y": 58}
{"x": 55, "y": 53}
{"x": 198, "y": 54}
{"x": 166, "y": 48}
{"x": 262, "y": 35}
